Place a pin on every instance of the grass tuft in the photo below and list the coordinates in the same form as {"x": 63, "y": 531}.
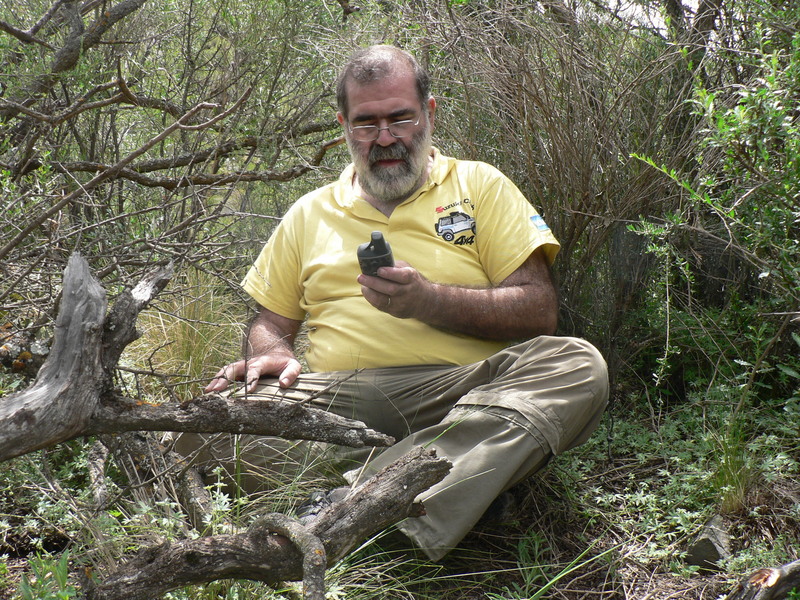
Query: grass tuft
{"x": 186, "y": 337}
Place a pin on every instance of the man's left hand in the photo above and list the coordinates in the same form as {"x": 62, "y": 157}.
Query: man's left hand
{"x": 399, "y": 290}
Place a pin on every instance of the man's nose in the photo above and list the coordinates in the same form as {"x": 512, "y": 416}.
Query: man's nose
{"x": 385, "y": 138}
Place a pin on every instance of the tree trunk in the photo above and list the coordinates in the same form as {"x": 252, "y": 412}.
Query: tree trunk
{"x": 60, "y": 403}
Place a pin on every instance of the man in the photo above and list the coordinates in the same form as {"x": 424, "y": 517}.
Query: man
{"x": 431, "y": 333}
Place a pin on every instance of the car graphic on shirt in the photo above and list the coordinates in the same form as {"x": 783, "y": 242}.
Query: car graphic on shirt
{"x": 454, "y": 223}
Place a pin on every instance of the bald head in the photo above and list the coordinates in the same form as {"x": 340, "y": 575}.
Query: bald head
{"x": 375, "y": 63}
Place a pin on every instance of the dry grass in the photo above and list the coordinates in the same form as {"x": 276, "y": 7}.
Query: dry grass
{"x": 189, "y": 334}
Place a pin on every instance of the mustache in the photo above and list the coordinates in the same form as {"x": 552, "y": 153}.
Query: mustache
{"x": 393, "y": 152}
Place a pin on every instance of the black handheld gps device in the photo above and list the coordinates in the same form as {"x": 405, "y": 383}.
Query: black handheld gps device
{"x": 374, "y": 254}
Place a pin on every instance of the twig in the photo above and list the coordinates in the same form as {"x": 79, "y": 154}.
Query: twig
{"x": 314, "y": 395}
{"x": 23, "y": 36}
{"x": 96, "y": 462}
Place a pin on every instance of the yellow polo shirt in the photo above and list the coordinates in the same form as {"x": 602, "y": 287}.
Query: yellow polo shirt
{"x": 468, "y": 225}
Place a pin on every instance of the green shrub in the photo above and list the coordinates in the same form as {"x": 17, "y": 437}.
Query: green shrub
{"x": 48, "y": 579}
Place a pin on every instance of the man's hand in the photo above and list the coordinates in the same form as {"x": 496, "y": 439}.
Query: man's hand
{"x": 268, "y": 346}
{"x": 285, "y": 368}
{"x": 397, "y": 290}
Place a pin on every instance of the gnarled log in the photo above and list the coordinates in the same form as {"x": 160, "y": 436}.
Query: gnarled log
{"x": 383, "y": 500}
{"x": 73, "y": 394}
{"x": 60, "y": 403}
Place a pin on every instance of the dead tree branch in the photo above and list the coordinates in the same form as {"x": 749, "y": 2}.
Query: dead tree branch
{"x": 73, "y": 394}
{"x": 59, "y": 405}
{"x": 768, "y": 584}
{"x": 383, "y": 500}
{"x": 137, "y": 172}
{"x": 214, "y": 414}
{"x": 146, "y": 462}
{"x": 79, "y": 40}
{"x": 23, "y": 36}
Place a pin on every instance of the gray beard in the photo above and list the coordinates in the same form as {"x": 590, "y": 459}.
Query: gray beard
{"x": 393, "y": 184}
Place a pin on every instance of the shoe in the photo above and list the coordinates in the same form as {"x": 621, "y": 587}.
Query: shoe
{"x": 318, "y": 501}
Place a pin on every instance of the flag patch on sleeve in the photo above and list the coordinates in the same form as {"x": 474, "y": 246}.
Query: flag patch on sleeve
{"x": 539, "y": 223}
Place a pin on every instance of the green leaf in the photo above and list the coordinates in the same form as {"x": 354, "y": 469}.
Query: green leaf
{"x": 789, "y": 371}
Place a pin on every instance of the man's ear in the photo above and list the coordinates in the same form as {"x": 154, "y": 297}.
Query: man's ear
{"x": 340, "y": 118}
{"x": 431, "y": 108}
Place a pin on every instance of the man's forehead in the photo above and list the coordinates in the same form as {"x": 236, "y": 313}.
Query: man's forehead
{"x": 393, "y": 92}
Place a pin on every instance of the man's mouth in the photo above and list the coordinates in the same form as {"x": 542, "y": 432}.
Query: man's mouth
{"x": 388, "y": 157}
{"x": 388, "y": 162}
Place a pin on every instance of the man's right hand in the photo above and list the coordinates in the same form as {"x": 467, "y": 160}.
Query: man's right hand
{"x": 283, "y": 366}
{"x": 269, "y": 342}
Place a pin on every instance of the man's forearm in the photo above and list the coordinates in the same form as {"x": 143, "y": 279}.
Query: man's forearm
{"x": 499, "y": 313}
{"x": 523, "y": 305}
{"x": 268, "y": 333}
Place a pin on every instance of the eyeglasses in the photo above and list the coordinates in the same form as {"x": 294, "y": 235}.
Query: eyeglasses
{"x": 370, "y": 133}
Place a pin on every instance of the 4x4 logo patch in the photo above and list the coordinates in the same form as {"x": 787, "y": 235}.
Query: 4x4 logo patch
{"x": 457, "y": 224}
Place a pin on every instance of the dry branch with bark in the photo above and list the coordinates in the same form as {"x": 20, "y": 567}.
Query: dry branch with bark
{"x": 74, "y": 394}
{"x": 259, "y": 555}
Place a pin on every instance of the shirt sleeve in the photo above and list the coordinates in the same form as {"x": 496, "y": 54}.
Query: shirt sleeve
{"x": 509, "y": 228}
{"x": 276, "y": 284}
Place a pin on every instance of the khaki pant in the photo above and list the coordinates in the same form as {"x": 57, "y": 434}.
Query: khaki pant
{"x": 498, "y": 421}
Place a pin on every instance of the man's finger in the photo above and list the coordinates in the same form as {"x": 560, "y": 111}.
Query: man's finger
{"x": 289, "y": 374}
{"x": 252, "y": 377}
{"x": 221, "y": 380}
{"x": 219, "y": 383}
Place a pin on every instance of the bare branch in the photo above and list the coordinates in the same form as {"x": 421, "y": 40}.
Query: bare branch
{"x": 46, "y": 17}
{"x": 196, "y": 179}
{"x": 23, "y": 36}
{"x": 105, "y": 175}
{"x": 107, "y": 19}
{"x": 79, "y": 40}
{"x": 306, "y": 542}
{"x": 73, "y": 395}
{"x": 214, "y": 413}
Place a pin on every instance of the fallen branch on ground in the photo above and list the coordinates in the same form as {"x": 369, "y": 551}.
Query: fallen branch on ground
{"x": 73, "y": 395}
{"x": 768, "y": 584}
{"x": 256, "y": 554}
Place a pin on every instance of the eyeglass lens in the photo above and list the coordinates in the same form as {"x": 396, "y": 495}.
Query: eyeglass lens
{"x": 398, "y": 129}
